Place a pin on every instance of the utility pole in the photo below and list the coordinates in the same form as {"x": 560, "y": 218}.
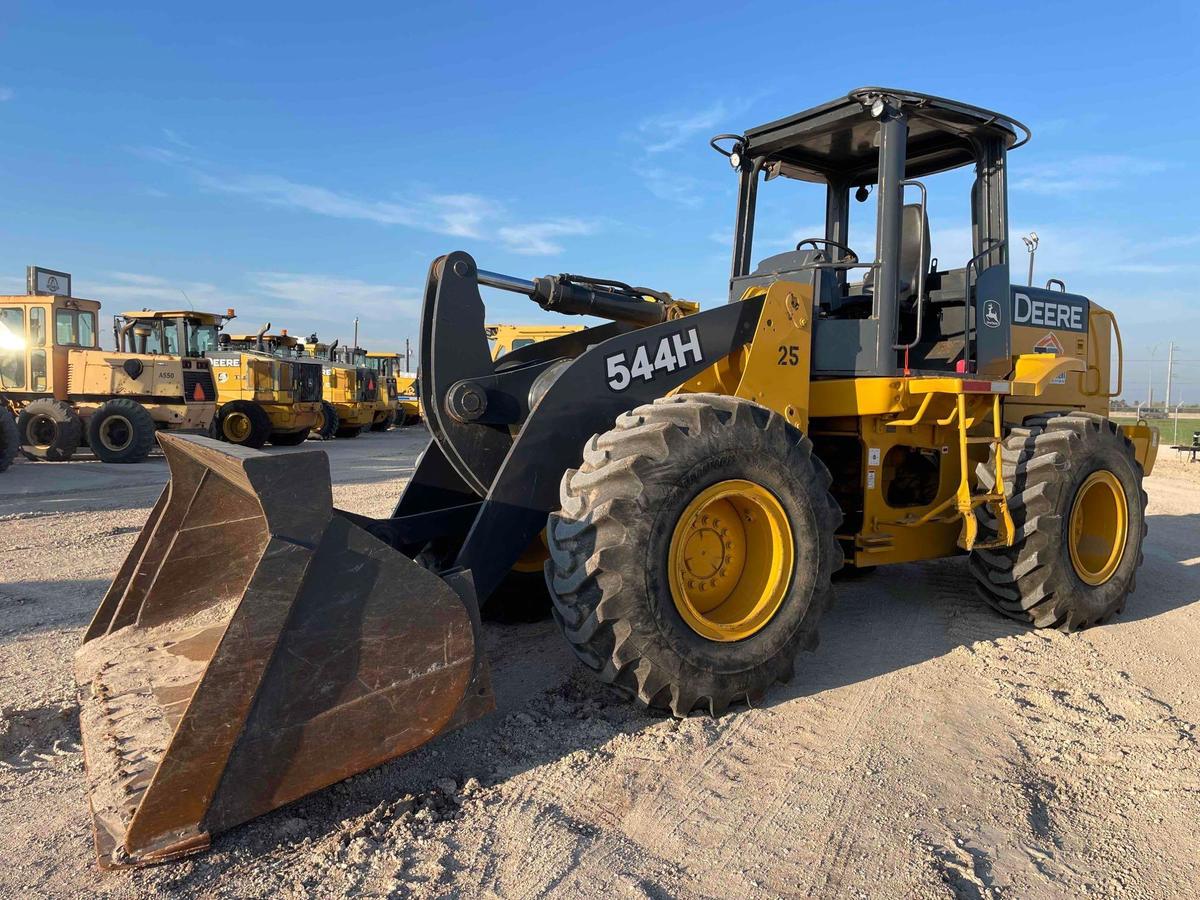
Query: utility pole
{"x": 1178, "y": 406}
{"x": 407, "y": 357}
{"x": 1170, "y": 367}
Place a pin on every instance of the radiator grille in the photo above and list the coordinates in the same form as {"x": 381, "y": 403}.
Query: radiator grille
{"x": 198, "y": 386}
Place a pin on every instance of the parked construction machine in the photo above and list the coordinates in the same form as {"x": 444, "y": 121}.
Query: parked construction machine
{"x": 371, "y": 385}
{"x": 408, "y": 402}
{"x": 351, "y": 390}
{"x": 507, "y": 338}
{"x": 699, "y": 477}
{"x": 66, "y": 391}
{"x": 261, "y": 396}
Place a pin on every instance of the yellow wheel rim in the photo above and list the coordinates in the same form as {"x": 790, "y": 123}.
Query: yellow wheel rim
{"x": 116, "y": 433}
{"x": 236, "y": 427}
{"x": 319, "y": 425}
{"x": 1098, "y": 528}
{"x": 731, "y": 560}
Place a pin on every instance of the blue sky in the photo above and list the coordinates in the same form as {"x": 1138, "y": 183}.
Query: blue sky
{"x": 304, "y": 163}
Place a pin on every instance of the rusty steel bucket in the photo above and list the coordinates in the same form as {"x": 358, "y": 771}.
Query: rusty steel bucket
{"x": 255, "y": 646}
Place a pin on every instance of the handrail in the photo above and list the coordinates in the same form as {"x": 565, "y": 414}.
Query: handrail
{"x": 1100, "y": 311}
{"x": 920, "y": 275}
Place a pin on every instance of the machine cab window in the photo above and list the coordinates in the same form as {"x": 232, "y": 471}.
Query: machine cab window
{"x": 74, "y": 328}
{"x": 12, "y": 348}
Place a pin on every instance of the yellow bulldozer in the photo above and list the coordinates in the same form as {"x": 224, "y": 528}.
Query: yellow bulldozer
{"x": 262, "y": 397}
{"x": 66, "y": 391}
{"x": 699, "y": 478}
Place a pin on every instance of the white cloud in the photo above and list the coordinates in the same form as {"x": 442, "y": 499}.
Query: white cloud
{"x": 670, "y": 185}
{"x": 537, "y": 238}
{"x": 462, "y": 215}
{"x": 453, "y": 214}
{"x": 6, "y": 93}
{"x": 333, "y": 298}
{"x": 670, "y": 130}
{"x": 1084, "y": 173}
{"x": 132, "y": 290}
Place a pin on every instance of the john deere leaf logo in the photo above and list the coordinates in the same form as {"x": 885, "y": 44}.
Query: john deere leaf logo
{"x": 52, "y": 284}
{"x": 991, "y": 314}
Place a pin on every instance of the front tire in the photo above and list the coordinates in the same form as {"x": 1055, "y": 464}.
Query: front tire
{"x": 121, "y": 431}
{"x": 349, "y": 431}
{"x": 243, "y": 423}
{"x": 10, "y": 438}
{"x": 49, "y": 430}
{"x": 387, "y": 423}
{"x": 693, "y": 553}
{"x": 1079, "y": 511}
{"x": 290, "y": 438}
{"x": 327, "y": 422}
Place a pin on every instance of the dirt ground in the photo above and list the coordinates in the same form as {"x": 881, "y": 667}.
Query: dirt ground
{"x": 929, "y": 748}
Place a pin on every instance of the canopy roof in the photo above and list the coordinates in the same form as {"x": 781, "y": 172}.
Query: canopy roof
{"x": 838, "y": 141}
{"x": 204, "y": 318}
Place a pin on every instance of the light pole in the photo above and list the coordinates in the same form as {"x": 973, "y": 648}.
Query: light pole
{"x": 1031, "y": 244}
{"x": 1178, "y": 406}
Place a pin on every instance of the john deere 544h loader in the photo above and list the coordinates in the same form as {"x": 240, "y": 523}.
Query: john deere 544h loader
{"x": 699, "y": 478}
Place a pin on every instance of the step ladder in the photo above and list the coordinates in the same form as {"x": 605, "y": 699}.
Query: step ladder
{"x": 966, "y": 500}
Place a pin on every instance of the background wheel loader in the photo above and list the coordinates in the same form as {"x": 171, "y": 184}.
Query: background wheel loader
{"x": 351, "y": 391}
{"x": 507, "y": 338}
{"x": 408, "y": 399}
{"x": 67, "y": 392}
{"x": 386, "y": 367}
{"x": 700, "y": 476}
{"x": 371, "y": 388}
{"x": 266, "y": 391}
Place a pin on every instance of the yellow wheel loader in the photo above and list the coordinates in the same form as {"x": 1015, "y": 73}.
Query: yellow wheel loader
{"x": 699, "y": 476}
{"x": 408, "y": 400}
{"x": 266, "y": 390}
{"x": 386, "y": 367}
{"x": 66, "y": 391}
{"x": 371, "y": 386}
{"x": 351, "y": 392}
{"x": 507, "y": 338}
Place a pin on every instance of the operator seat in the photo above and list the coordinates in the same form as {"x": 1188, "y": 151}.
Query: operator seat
{"x": 914, "y": 254}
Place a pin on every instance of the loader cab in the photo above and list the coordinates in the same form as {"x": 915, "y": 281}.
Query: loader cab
{"x": 895, "y": 307}
{"x": 385, "y": 366}
{"x": 37, "y": 333}
{"x": 185, "y": 333}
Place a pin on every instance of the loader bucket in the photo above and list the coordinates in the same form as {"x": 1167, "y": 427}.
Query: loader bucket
{"x": 257, "y": 645}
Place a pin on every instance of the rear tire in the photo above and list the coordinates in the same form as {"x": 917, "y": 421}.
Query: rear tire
{"x": 1068, "y": 568}
{"x": 10, "y": 438}
{"x": 327, "y": 422}
{"x": 290, "y": 438}
{"x": 49, "y": 430}
{"x": 615, "y": 545}
{"x": 121, "y": 431}
{"x": 243, "y": 423}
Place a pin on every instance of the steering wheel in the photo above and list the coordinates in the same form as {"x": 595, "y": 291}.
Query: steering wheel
{"x": 851, "y": 256}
